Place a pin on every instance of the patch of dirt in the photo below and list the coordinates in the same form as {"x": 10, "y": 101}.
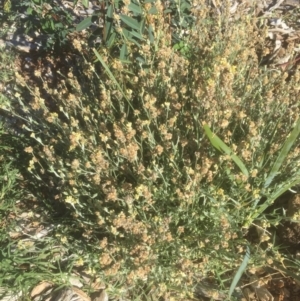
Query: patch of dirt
{"x": 289, "y": 231}
{"x": 284, "y": 289}
{"x": 266, "y": 284}
{"x": 274, "y": 281}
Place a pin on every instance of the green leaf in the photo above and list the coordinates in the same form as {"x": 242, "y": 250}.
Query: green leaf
{"x": 46, "y": 264}
{"x": 132, "y": 23}
{"x": 239, "y": 273}
{"x": 130, "y": 38}
{"x": 29, "y": 10}
{"x": 153, "y": 10}
{"x": 85, "y": 3}
{"x": 108, "y": 24}
{"x": 125, "y": 33}
{"x": 135, "y": 8}
{"x": 141, "y": 60}
{"x": 274, "y": 196}
{"x": 142, "y": 25}
{"x": 111, "y": 40}
{"x": 222, "y": 147}
{"x": 129, "y": 35}
{"x": 137, "y": 35}
{"x": 84, "y": 24}
{"x": 51, "y": 23}
{"x": 151, "y": 34}
{"x": 185, "y": 6}
{"x": 283, "y": 153}
{"x": 123, "y": 52}
{"x": 167, "y": 11}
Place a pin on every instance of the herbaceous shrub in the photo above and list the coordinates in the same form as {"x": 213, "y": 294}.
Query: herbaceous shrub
{"x": 122, "y": 146}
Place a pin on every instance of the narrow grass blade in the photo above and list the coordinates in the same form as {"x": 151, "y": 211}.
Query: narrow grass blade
{"x": 111, "y": 40}
{"x": 222, "y": 147}
{"x": 275, "y": 195}
{"x": 239, "y": 273}
{"x": 111, "y": 76}
{"x": 108, "y": 24}
{"x": 283, "y": 153}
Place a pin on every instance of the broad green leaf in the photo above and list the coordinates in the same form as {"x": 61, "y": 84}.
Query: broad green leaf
{"x": 132, "y": 23}
{"x": 131, "y": 39}
{"x": 29, "y": 10}
{"x": 167, "y": 11}
{"x": 84, "y": 24}
{"x": 222, "y": 147}
{"x": 142, "y": 25}
{"x": 141, "y": 59}
{"x": 52, "y": 24}
{"x": 151, "y": 34}
{"x": 153, "y": 10}
{"x": 283, "y": 153}
{"x": 123, "y": 52}
{"x": 125, "y": 33}
{"x": 239, "y": 273}
{"x": 85, "y": 3}
{"x": 137, "y": 35}
{"x": 185, "y": 5}
{"x": 135, "y": 8}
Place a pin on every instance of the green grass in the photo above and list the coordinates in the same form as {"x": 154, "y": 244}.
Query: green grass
{"x": 149, "y": 175}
